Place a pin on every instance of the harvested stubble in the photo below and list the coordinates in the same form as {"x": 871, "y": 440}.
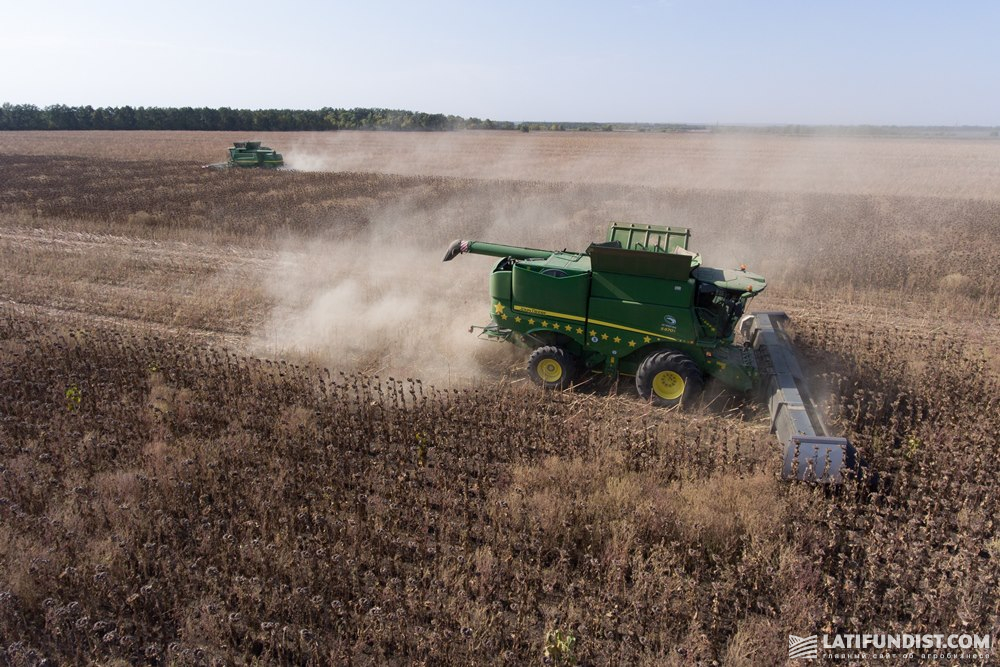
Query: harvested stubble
{"x": 169, "y": 503}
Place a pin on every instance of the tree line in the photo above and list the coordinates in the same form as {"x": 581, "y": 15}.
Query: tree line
{"x": 63, "y": 117}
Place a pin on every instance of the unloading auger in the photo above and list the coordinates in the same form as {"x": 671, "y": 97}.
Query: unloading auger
{"x": 641, "y": 304}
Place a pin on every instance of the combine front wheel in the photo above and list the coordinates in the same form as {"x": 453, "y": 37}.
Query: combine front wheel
{"x": 552, "y": 367}
{"x": 668, "y": 378}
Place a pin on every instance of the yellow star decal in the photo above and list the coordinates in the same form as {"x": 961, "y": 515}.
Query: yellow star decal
{"x": 579, "y": 330}
{"x": 498, "y": 308}
{"x": 503, "y": 316}
{"x": 531, "y": 320}
{"x": 555, "y": 325}
{"x": 604, "y": 336}
{"x": 617, "y": 339}
{"x": 631, "y": 343}
{"x": 647, "y": 339}
{"x": 593, "y": 333}
{"x": 545, "y": 323}
{"x": 518, "y": 319}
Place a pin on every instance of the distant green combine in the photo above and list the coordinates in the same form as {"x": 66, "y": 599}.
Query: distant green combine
{"x": 251, "y": 154}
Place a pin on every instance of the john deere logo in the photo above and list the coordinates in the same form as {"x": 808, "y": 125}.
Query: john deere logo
{"x": 670, "y": 320}
{"x": 804, "y": 648}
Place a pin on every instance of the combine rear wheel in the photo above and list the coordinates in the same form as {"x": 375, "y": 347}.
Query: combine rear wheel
{"x": 552, "y": 367}
{"x": 669, "y": 378}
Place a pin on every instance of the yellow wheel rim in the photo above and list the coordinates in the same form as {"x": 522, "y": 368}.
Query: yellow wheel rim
{"x": 550, "y": 370}
{"x": 668, "y": 385}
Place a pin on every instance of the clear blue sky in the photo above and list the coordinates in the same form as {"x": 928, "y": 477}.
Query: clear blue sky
{"x": 728, "y": 61}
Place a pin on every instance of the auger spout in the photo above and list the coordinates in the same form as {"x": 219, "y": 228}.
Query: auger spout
{"x": 493, "y": 249}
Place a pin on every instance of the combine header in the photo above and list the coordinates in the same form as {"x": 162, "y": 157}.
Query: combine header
{"x": 641, "y": 304}
{"x": 811, "y": 453}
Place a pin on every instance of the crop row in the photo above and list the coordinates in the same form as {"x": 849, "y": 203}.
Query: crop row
{"x": 170, "y": 503}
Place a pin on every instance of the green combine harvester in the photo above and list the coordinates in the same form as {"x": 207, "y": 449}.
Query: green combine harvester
{"x": 641, "y": 304}
{"x": 251, "y": 154}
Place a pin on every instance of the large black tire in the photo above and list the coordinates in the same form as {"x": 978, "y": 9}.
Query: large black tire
{"x": 552, "y": 367}
{"x": 669, "y": 378}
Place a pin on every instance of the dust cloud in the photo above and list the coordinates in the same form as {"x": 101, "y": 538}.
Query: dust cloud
{"x": 381, "y": 300}
{"x": 913, "y": 166}
{"x": 359, "y": 306}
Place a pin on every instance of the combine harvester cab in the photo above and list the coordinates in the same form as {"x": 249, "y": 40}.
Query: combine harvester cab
{"x": 641, "y": 304}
